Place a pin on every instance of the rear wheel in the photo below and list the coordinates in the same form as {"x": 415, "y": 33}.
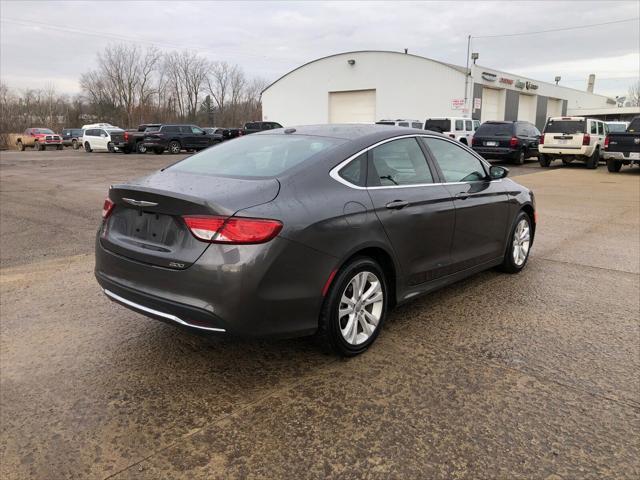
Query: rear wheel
{"x": 60, "y": 147}
{"x": 519, "y": 245}
{"x": 519, "y": 160}
{"x": 37, "y": 146}
{"x": 140, "y": 148}
{"x": 20, "y": 146}
{"x": 544, "y": 160}
{"x": 614, "y": 165}
{"x": 594, "y": 159}
{"x": 110, "y": 147}
{"x": 75, "y": 144}
{"x": 174, "y": 147}
{"x": 355, "y": 308}
{"x": 87, "y": 147}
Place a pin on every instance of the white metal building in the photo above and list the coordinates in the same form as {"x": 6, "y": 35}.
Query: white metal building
{"x": 366, "y": 86}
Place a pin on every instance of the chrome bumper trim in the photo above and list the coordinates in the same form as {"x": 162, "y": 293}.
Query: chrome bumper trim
{"x": 168, "y": 316}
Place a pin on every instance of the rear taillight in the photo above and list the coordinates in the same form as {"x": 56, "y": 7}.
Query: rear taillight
{"x": 475, "y": 141}
{"x": 586, "y": 140}
{"x": 107, "y": 208}
{"x": 606, "y": 142}
{"x": 514, "y": 142}
{"x": 451, "y": 135}
{"x": 126, "y": 136}
{"x": 236, "y": 230}
{"x": 541, "y": 142}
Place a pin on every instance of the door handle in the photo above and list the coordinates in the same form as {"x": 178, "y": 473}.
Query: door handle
{"x": 397, "y": 204}
{"x": 462, "y": 196}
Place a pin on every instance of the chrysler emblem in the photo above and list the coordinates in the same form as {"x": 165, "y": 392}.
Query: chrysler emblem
{"x": 139, "y": 203}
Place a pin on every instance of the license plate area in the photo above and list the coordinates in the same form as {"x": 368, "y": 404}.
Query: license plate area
{"x": 490, "y": 144}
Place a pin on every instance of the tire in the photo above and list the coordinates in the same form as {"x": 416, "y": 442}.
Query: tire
{"x": 140, "y": 148}
{"x": 544, "y": 160}
{"x": 110, "y": 147}
{"x": 511, "y": 263}
{"x": 344, "y": 286}
{"x": 521, "y": 155}
{"x": 567, "y": 160}
{"x": 20, "y": 146}
{"x": 87, "y": 147}
{"x": 593, "y": 160}
{"x": 614, "y": 165}
{"x": 37, "y": 147}
{"x": 60, "y": 147}
{"x": 174, "y": 147}
{"x": 75, "y": 144}
{"x": 126, "y": 151}
{"x": 158, "y": 151}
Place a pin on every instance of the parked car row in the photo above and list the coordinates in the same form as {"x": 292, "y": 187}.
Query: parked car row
{"x": 156, "y": 137}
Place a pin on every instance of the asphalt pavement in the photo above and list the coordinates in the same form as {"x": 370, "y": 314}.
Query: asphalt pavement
{"x": 499, "y": 376}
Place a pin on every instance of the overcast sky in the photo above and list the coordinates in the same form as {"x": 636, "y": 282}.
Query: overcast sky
{"x": 48, "y": 42}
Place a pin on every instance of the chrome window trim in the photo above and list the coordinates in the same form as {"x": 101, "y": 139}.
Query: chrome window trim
{"x": 168, "y": 316}
{"x": 334, "y": 172}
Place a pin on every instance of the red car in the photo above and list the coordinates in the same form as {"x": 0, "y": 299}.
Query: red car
{"x": 39, "y": 139}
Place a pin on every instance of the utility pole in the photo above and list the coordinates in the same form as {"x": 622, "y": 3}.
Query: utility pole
{"x": 466, "y": 77}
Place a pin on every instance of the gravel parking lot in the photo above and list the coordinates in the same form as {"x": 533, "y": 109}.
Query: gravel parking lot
{"x": 527, "y": 376}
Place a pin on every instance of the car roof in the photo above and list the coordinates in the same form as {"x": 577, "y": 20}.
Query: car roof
{"x": 349, "y": 131}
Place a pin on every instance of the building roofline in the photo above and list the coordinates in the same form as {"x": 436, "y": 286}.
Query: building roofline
{"x": 455, "y": 67}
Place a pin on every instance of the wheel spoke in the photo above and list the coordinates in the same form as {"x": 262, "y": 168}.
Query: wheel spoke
{"x": 371, "y": 318}
{"x": 375, "y": 287}
{"x": 376, "y": 298}
{"x": 366, "y": 328}
{"x": 345, "y": 311}
{"x": 347, "y": 300}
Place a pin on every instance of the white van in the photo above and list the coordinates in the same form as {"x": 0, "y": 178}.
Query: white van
{"x": 402, "y": 123}
{"x": 572, "y": 138}
{"x": 460, "y": 128}
{"x": 101, "y": 138}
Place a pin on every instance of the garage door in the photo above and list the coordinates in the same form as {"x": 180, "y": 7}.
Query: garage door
{"x": 356, "y": 106}
{"x": 554, "y": 107}
{"x": 527, "y": 108}
{"x": 490, "y": 104}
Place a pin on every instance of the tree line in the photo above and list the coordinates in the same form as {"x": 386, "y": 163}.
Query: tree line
{"x": 132, "y": 86}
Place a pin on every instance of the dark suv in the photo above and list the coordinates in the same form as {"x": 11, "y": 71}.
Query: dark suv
{"x": 255, "y": 127}
{"x": 513, "y": 141}
{"x": 71, "y": 137}
{"x": 175, "y": 138}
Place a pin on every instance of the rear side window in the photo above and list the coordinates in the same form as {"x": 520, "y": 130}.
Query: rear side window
{"x": 491, "y": 129}
{"x": 565, "y": 126}
{"x": 403, "y": 124}
{"x": 251, "y": 126}
{"x": 594, "y": 127}
{"x": 457, "y": 164}
{"x": 459, "y": 125}
{"x": 600, "y": 128}
{"x": 399, "y": 162}
{"x": 171, "y": 129}
{"x": 468, "y": 125}
{"x": 256, "y": 155}
{"x": 355, "y": 172}
{"x": 416, "y": 125}
{"x": 438, "y": 125}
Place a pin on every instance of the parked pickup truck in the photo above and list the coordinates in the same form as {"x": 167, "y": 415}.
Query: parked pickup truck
{"x": 623, "y": 148}
{"x": 38, "y": 139}
{"x": 133, "y": 139}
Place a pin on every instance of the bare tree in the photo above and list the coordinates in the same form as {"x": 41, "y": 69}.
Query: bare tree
{"x": 633, "y": 96}
{"x": 218, "y": 85}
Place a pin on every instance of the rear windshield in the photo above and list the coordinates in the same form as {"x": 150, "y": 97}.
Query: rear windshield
{"x": 152, "y": 129}
{"x": 383, "y": 122}
{"x": 617, "y": 127}
{"x": 495, "y": 129}
{"x": 439, "y": 126}
{"x": 45, "y": 131}
{"x": 565, "y": 126}
{"x": 256, "y": 155}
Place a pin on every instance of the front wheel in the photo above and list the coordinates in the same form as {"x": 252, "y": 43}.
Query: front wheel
{"x": 60, "y": 147}
{"x": 174, "y": 147}
{"x": 544, "y": 160}
{"x": 355, "y": 308}
{"x": 614, "y": 165}
{"x": 519, "y": 245}
{"x": 140, "y": 148}
{"x": 37, "y": 147}
{"x": 21, "y": 146}
{"x": 110, "y": 147}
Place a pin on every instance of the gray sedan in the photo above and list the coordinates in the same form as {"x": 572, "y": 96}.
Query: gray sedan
{"x": 309, "y": 230}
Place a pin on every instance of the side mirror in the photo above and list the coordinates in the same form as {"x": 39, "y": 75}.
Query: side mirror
{"x": 497, "y": 172}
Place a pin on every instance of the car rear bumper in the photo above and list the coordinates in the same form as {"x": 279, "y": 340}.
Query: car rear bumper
{"x": 496, "y": 152}
{"x": 151, "y": 144}
{"x": 560, "y": 151}
{"x": 629, "y": 156}
{"x": 273, "y": 289}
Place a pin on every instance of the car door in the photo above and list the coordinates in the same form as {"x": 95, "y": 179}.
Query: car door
{"x": 198, "y": 138}
{"x": 416, "y": 211}
{"x": 481, "y": 205}
{"x": 101, "y": 140}
{"x": 468, "y": 126}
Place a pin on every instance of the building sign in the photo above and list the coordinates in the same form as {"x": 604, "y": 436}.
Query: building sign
{"x": 489, "y": 77}
{"x": 520, "y": 84}
{"x": 506, "y": 81}
{"x": 477, "y": 103}
{"x": 457, "y": 104}
{"x": 531, "y": 86}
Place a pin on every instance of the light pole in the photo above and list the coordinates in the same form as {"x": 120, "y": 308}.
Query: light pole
{"x": 466, "y": 76}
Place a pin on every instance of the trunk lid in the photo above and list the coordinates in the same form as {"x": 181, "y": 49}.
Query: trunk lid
{"x": 567, "y": 134}
{"x": 146, "y": 224}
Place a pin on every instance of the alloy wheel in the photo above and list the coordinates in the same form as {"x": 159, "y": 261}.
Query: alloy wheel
{"x": 361, "y": 307}
{"x": 521, "y": 242}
